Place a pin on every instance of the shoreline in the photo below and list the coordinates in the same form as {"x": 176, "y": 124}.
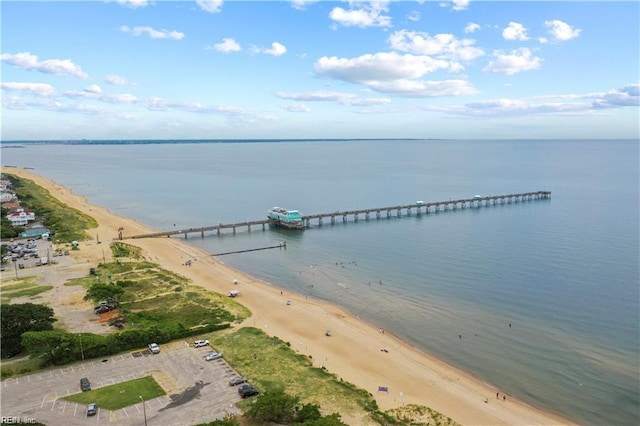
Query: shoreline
{"x": 353, "y": 352}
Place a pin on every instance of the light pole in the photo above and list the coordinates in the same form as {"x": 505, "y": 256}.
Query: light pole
{"x": 144, "y": 410}
{"x": 81, "y": 350}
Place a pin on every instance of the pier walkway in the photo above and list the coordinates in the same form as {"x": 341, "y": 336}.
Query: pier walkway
{"x": 418, "y": 207}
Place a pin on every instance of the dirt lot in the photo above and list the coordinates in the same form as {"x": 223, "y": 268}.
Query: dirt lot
{"x": 70, "y": 309}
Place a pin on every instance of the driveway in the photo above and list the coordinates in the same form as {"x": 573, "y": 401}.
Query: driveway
{"x": 197, "y": 390}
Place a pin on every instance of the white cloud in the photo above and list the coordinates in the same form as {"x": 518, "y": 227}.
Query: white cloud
{"x": 460, "y": 4}
{"x": 227, "y": 45}
{"x": 133, "y": 4}
{"x": 296, "y": 108}
{"x": 625, "y": 96}
{"x": 95, "y": 92}
{"x": 513, "y": 62}
{"x": 276, "y": 49}
{"x": 424, "y": 89}
{"x": 362, "y": 14}
{"x": 211, "y": 6}
{"x": 94, "y": 88}
{"x": 413, "y": 16}
{"x": 377, "y": 67}
{"x": 471, "y": 27}
{"x": 316, "y": 96}
{"x": 38, "y": 89}
{"x": 116, "y": 80}
{"x": 153, "y": 33}
{"x": 392, "y": 73}
{"x": 443, "y": 46}
{"x": 561, "y": 31}
{"x": 515, "y": 31}
{"x": 28, "y": 61}
{"x": 302, "y": 4}
{"x": 338, "y": 97}
{"x": 369, "y": 101}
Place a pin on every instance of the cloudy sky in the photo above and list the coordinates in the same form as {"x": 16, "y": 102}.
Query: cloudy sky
{"x": 213, "y": 69}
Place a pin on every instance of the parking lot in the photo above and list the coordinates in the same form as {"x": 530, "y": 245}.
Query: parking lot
{"x": 30, "y": 253}
{"x": 197, "y": 390}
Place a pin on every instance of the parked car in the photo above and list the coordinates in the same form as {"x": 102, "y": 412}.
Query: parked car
{"x": 12, "y": 352}
{"x": 101, "y": 309}
{"x": 92, "y": 409}
{"x": 200, "y": 343}
{"x": 213, "y": 355}
{"x": 247, "y": 390}
{"x": 237, "y": 380}
{"x": 154, "y": 348}
{"x": 85, "y": 385}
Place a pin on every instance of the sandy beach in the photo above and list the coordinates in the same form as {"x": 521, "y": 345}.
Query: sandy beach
{"x": 353, "y": 352}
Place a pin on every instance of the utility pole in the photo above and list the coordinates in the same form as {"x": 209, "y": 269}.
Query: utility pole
{"x": 144, "y": 410}
{"x": 81, "y": 350}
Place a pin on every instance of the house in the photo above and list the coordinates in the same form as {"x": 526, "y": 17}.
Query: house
{"x": 20, "y": 217}
{"x": 7, "y": 196}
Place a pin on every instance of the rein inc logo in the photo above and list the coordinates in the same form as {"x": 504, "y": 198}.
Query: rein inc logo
{"x": 14, "y": 420}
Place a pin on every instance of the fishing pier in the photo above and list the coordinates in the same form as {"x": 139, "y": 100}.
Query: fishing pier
{"x": 419, "y": 207}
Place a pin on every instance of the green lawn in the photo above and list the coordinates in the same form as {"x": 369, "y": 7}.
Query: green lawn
{"x": 120, "y": 395}
{"x": 25, "y": 287}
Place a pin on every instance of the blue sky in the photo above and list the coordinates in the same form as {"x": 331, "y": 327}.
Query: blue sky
{"x": 141, "y": 69}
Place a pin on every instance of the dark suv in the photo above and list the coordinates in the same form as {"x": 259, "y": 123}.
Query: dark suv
{"x": 247, "y": 390}
{"x": 85, "y": 385}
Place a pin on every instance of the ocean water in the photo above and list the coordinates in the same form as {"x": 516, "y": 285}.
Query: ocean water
{"x": 544, "y": 293}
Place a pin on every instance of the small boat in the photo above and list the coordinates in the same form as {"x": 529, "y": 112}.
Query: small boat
{"x": 291, "y": 219}
{"x": 234, "y": 293}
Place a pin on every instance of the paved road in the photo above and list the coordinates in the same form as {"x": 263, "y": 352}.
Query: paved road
{"x": 197, "y": 390}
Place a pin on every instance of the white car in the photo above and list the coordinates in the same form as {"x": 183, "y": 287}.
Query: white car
{"x": 154, "y": 348}
{"x": 200, "y": 343}
{"x": 213, "y": 355}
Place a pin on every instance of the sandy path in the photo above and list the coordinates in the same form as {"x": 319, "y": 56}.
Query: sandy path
{"x": 352, "y": 352}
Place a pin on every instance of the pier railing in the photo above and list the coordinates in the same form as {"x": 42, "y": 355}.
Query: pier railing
{"x": 388, "y": 212}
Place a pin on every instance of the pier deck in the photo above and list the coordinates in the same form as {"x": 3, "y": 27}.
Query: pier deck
{"x": 379, "y": 212}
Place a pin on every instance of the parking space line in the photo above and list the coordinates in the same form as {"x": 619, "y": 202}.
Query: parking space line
{"x": 64, "y": 407}
{"x": 43, "y": 400}
{"x": 125, "y": 411}
{"x": 53, "y": 405}
{"x": 75, "y": 409}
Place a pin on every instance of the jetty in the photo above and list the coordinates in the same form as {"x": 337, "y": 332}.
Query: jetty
{"x": 418, "y": 208}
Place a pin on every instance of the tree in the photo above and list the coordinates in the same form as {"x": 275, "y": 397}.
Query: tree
{"x": 20, "y": 318}
{"x": 274, "y": 406}
{"x": 307, "y": 413}
{"x": 110, "y": 293}
{"x": 7, "y": 230}
{"x": 330, "y": 420}
{"x": 57, "y": 347}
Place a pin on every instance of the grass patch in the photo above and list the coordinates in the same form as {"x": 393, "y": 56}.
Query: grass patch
{"x": 22, "y": 287}
{"x": 155, "y": 297}
{"x": 270, "y": 363}
{"x": 66, "y": 223}
{"x": 19, "y": 368}
{"x": 417, "y": 415}
{"x": 120, "y": 395}
{"x": 120, "y": 249}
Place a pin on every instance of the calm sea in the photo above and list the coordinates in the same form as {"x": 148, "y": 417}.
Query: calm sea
{"x": 563, "y": 272}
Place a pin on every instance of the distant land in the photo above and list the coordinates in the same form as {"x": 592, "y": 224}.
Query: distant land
{"x": 187, "y": 141}
{"x": 21, "y": 143}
